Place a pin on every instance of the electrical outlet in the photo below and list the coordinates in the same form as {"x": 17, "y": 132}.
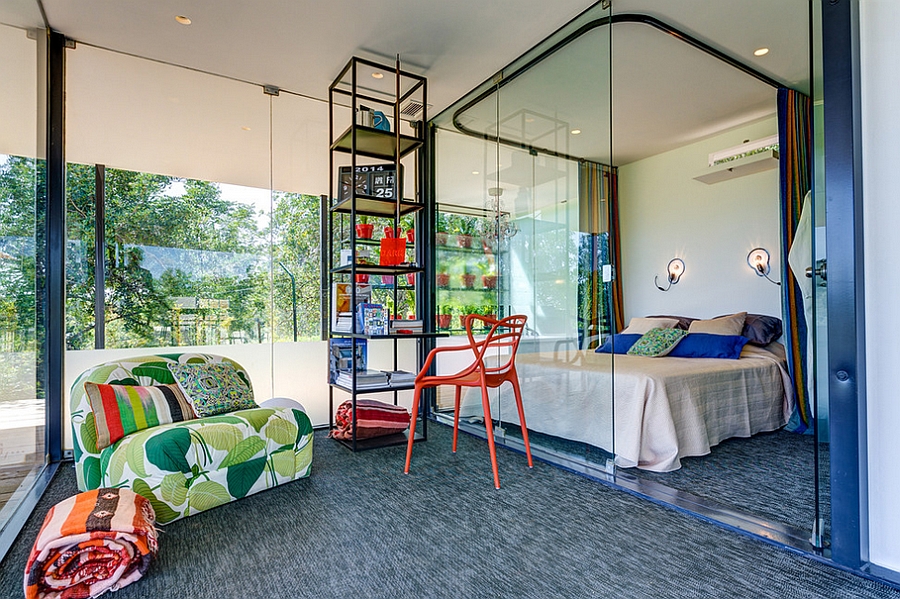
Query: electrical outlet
{"x": 68, "y": 454}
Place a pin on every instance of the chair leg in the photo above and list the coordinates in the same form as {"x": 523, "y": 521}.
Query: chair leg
{"x": 518, "y": 393}
{"x": 489, "y": 426}
{"x": 412, "y": 427}
{"x": 456, "y": 418}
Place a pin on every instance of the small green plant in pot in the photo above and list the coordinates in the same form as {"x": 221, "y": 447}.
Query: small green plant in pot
{"x": 444, "y": 317}
{"x": 441, "y": 226}
{"x": 465, "y": 231}
{"x": 468, "y": 277}
{"x": 364, "y": 230}
{"x": 488, "y": 277}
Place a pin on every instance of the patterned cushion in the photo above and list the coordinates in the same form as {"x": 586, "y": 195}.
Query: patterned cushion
{"x": 213, "y": 388}
{"x": 657, "y": 342}
{"x": 123, "y": 409}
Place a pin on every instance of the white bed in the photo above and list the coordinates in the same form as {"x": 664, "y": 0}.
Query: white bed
{"x": 665, "y": 408}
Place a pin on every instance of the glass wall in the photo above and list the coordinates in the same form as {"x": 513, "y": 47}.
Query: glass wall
{"x": 523, "y": 188}
{"x": 22, "y": 201}
{"x": 204, "y": 198}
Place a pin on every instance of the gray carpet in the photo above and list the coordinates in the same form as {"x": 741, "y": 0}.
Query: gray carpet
{"x": 770, "y": 475}
{"x": 359, "y": 528}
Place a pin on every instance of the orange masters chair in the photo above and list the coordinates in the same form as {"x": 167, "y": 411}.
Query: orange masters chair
{"x": 498, "y": 347}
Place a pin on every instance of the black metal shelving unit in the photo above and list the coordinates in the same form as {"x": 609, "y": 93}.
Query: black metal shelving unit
{"x": 357, "y": 147}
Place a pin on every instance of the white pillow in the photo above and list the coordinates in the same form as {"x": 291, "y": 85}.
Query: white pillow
{"x": 639, "y": 326}
{"x": 724, "y": 325}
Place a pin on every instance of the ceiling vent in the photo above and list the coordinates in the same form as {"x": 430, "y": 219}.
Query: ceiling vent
{"x": 411, "y": 109}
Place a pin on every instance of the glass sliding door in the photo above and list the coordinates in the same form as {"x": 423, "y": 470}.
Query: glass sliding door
{"x": 22, "y": 201}
{"x": 522, "y": 166}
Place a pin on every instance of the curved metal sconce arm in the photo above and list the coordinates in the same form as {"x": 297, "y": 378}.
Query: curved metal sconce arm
{"x": 758, "y": 259}
{"x": 675, "y": 269}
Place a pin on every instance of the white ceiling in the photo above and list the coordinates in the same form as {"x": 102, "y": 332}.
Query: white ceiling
{"x": 301, "y": 45}
{"x": 666, "y": 94}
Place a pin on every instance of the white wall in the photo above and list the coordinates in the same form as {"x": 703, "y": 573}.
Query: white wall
{"x": 664, "y": 213}
{"x": 879, "y": 56}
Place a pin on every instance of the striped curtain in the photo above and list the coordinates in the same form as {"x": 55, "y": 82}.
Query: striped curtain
{"x": 795, "y": 163}
{"x": 599, "y": 305}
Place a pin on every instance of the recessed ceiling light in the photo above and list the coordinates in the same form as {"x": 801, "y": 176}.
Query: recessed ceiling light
{"x": 529, "y": 119}
{"x": 183, "y": 20}
{"x": 760, "y": 52}
{"x": 576, "y": 131}
{"x": 474, "y": 172}
{"x": 378, "y": 75}
{"x": 245, "y": 128}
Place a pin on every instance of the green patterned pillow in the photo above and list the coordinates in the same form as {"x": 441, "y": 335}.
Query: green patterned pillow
{"x": 657, "y": 342}
{"x": 213, "y": 388}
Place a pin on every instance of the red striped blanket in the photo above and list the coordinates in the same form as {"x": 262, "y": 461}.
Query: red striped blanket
{"x": 91, "y": 543}
{"x": 373, "y": 419}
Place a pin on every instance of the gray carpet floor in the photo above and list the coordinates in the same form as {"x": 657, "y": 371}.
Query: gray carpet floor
{"x": 358, "y": 527}
{"x": 770, "y": 475}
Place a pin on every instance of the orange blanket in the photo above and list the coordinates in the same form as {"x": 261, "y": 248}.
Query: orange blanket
{"x": 91, "y": 543}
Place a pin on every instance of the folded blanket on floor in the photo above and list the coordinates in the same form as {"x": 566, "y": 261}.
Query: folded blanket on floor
{"x": 373, "y": 419}
{"x": 91, "y": 543}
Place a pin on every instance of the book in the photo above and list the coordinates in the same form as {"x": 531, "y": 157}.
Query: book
{"x": 371, "y": 319}
{"x": 364, "y": 380}
{"x": 406, "y": 326}
{"x": 340, "y": 352}
{"x": 400, "y": 377}
{"x": 341, "y": 311}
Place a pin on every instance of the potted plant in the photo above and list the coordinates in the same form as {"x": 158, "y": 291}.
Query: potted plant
{"x": 488, "y": 278}
{"x": 469, "y": 309}
{"x": 465, "y": 230}
{"x": 490, "y": 311}
{"x": 408, "y": 223}
{"x": 440, "y": 236}
{"x": 364, "y": 230}
{"x": 443, "y": 319}
{"x": 442, "y": 279}
{"x": 411, "y": 278}
{"x": 468, "y": 277}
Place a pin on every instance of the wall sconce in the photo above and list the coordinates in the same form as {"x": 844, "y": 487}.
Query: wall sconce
{"x": 675, "y": 269}
{"x": 758, "y": 259}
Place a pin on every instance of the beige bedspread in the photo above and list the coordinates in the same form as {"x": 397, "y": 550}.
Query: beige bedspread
{"x": 665, "y": 408}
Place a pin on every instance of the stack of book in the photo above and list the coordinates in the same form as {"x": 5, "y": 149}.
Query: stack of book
{"x": 364, "y": 380}
{"x": 401, "y": 378}
{"x": 341, "y": 312}
{"x": 406, "y": 326}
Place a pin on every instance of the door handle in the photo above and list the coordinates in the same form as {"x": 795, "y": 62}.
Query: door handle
{"x": 821, "y": 271}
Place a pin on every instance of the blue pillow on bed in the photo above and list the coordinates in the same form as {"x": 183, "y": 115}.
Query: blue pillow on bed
{"x": 623, "y": 342}
{"x": 707, "y": 345}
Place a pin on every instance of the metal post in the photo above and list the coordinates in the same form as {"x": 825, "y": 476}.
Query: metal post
{"x": 293, "y": 296}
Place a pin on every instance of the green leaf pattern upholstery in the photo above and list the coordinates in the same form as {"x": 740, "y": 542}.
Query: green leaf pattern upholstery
{"x": 187, "y": 467}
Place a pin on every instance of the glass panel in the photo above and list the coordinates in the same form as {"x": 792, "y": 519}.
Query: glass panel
{"x": 819, "y": 351}
{"x": 22, "y": 197}
{"x": 524, "y": 169}
{"x": 183, "y": 164}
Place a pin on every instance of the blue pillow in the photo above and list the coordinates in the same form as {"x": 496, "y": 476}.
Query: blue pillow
{"x": 622, "y": 341}
{"x": 707, "y": 345}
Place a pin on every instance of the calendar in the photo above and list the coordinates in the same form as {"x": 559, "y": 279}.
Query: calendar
{"x": 376, "y": 180}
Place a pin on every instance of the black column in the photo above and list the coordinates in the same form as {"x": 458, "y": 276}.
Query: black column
{"x": 846, "y": 323}
{"x": 55, "y": 250}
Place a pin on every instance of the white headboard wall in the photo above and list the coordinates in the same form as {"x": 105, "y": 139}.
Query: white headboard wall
{"x": 665, "y": 213}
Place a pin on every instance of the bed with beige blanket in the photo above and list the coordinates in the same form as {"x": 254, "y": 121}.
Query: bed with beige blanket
{"x": 665, "y": 408}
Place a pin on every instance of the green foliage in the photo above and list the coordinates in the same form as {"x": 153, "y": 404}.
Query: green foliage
{"x": 240, "y": 477}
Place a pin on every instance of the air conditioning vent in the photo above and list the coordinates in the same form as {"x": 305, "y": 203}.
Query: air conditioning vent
{"x": 411, "y": 109}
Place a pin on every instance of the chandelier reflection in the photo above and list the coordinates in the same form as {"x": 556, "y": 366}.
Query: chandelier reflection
{"x": 497, "y": 224}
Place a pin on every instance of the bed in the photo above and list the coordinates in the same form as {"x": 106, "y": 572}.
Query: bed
{"x": 665, "y": 408}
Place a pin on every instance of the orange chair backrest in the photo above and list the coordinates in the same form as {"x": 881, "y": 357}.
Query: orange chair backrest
{"x": 502, "y": 341}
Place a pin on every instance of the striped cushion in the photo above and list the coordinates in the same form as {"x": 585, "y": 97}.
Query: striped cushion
{"x": 373, "y": 419}
{"x": 123, "y": 409}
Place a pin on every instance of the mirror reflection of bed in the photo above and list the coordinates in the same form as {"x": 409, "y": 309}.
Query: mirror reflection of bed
{"x": 715, "y": 429}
